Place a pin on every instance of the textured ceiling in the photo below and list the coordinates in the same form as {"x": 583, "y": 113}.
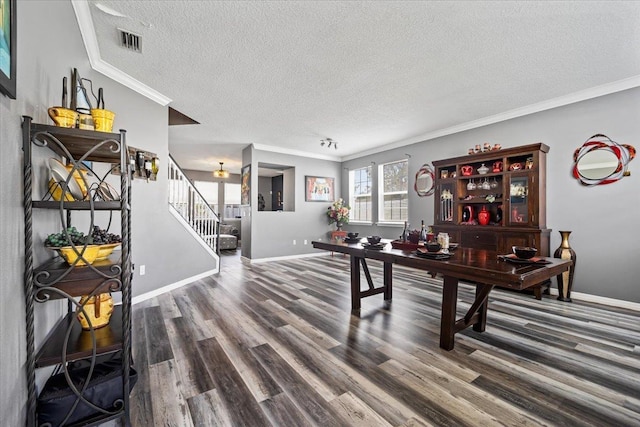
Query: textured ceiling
{"x": 366, "y": 74}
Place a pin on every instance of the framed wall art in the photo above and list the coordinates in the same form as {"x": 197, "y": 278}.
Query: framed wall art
{"x": 319, "y": 189}
{"x": 245, "y": 186}
{"x": 8, "y": 47}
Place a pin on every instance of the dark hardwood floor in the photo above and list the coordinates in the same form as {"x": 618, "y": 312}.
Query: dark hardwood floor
{"x": 274, "y": 344}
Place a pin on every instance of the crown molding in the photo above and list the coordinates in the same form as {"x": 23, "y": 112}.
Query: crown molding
{"x": 299, "y": 153}
{"x": 572, "y": 98}
{"x": 87, "y": 30}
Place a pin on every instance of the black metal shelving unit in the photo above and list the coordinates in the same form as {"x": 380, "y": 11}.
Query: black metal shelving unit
{"x": 67, "y": 343}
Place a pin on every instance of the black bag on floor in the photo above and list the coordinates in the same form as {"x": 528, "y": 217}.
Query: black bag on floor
{"x": 104, "y": 389}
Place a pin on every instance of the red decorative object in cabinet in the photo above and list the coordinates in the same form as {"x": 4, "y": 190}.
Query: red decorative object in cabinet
{"x": 483, "y": 216}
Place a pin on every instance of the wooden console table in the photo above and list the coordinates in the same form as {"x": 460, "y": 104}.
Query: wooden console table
{"x": 480, "y": 266}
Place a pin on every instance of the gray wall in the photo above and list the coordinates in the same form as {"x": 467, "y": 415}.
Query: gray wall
{"x": 49, "y": 45}
{"x": 264, "y": 186}
{"x": 273, "y": 233}
{"x": 602, "y": 218}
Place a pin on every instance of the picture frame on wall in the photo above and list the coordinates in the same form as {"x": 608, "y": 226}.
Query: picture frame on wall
{"x": 319, "y": 189}
{"x": 245, "y": 186}
{"x": 8, "y": 48}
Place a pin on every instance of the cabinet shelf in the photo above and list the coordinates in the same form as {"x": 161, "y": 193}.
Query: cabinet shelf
{"x": 479, "y": 201}
{"x": 76, "y": 142}
{"x": 78, "y": 206}
{"x": 76, "y": 281}
{"x": 480, "y": 176}
{"x": 80, "y": 345}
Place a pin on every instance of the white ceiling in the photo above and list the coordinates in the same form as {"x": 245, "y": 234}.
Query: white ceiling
{"x": 284, "y": 75}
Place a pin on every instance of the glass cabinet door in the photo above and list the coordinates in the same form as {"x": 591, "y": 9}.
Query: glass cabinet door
{"x": 519, "y": 200}
{"x": 447, "y": 198}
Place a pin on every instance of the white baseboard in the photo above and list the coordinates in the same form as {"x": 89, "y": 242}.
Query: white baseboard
{"x": 282, "y": 258}
{"x": 600, "y": 300}
{"x": 553, "y": 291}
{"x": 171, "y": 287}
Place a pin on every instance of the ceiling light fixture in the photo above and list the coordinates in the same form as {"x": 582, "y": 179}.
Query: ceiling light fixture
{"x": 329, "y": 143}
{"x": 221, "y": 173}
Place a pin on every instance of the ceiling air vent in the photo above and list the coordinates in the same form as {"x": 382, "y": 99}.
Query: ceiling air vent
{"x": 130, "y": 41}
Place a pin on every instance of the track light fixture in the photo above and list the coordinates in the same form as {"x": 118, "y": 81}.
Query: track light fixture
{"x": 329, "y": 143}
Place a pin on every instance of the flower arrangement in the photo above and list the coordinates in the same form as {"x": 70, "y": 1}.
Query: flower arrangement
{"x": 338, "y": 212}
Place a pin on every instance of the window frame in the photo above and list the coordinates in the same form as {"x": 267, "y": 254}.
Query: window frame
{"x": 353, "y": 196}
{"x": 233, "y": 208}
{"x": 202, "y": 185}
{"x": 381, "y": 194}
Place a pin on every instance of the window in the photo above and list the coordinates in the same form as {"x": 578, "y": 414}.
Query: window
{"x": 232, "y": 200}
{"x": 360, "y": 201}
{"x": 209, "y": 191}
{"x": 393, "y": 196}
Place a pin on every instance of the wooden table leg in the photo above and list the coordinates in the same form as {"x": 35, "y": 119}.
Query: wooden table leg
{"x": 388, "y": 278}
{"x": 481, "y": 324}
{"x": 355, "y": 283}
{"x": 448, "y": 315}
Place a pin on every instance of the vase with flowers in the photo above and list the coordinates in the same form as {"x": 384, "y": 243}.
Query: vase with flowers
{"x": 338, "y": 212}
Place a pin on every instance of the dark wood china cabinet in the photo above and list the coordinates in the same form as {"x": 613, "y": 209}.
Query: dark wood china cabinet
{"x": 507, "y": 185}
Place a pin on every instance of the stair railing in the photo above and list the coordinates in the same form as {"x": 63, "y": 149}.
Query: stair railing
{"x": 185, "y": 198}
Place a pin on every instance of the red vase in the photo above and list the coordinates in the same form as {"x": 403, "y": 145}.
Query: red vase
{"x": 483, "y": 216}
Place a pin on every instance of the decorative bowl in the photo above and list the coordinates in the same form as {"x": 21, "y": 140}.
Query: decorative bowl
{"x": 373, "y": 240}
{"x": 352, "y": 235}
{"x": 432, "y": 246}
{"x": 103, "y": 119}
{"x": 524, "y": 252}
{"x": 63, "y": 117}
{"x": 70, "y": 255}
{"x": 106, "y": 250}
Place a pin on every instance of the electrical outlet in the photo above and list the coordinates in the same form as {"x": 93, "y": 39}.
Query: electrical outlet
{"x": 143, "y": 270}
{"x": 294, "y": 241}
{"x": 305, "y": 242}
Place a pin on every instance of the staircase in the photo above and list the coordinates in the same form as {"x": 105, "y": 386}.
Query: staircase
{"x": 189, "y": 205}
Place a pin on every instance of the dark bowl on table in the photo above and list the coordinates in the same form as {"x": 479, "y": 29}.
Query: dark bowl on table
{"x": 373, "y": 240}
{"x": 352, "y": 235}
{"x": 524, "y": 252}
{"x": 432, "y": 246}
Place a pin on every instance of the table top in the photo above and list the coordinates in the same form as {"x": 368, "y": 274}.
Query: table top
{"x": 476, "y": 265}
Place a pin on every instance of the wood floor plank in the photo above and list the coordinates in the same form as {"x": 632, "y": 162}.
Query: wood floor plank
{"x": 190, "y": 312}
{"x": 283, "y": 412}
{"x": 169, "y": 407}
{"x": 317, "y": 336}
{"x": 339, "y": 376}
{"x": 583, "y": 399}
{"x": 276, "y": 344}
{"x": 356, "y": 412}
{"x": 261, "y": 385}
{"x": 168, "y": 307}
{"x": 297, "y": 388}
{"x": 140, "y": 399}
{"x": 191, "y": 368}
{"x": 157, "y": 340}
{"x": 243, "y": 410}
{"x": 443, "y": 401}
{"x": 207, "y": 410}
